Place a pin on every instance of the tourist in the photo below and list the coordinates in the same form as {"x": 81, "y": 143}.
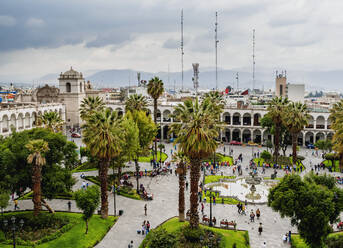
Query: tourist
{"x": 145, "y": 209}
{"x": 252, "y": 216}
{"x": 243, "y": 210}
{"x": 147, "y": 227}
{"x": 258, "y": 213}
{"x": 214, "y": 200}
{"x": 264, "y": 245}
{"x": 143, "y": 227}
{"x": 214, "y": 220}
{"x": 285, "y": 237}
{"x": 289, "y": 237}
{"x": 131, "y": 244}
{"x": 69, "y": 206}
{"x": 16, "y": 204}
{"x": 186, "y": 185}
{"x": 202, "y": 208}
{"x": 260, "y": 229}
{"x": 239, "y": 207}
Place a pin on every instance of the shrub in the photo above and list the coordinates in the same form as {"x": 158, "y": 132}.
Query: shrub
{"x": 192, "y": 235}
{"x": 2, "y": 236}
{"x": 266, "y": 155}
{"x": 158, "y": 238}
{"x": 335, "y": 241}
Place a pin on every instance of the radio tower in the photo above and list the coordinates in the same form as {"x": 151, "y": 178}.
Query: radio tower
{"x": 253, "y": 60}
{"x": 182, "y": 53}
{"x": 216, "y": 47}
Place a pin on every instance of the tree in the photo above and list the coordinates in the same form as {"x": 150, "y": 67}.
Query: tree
{"x": 155, "y": 90}
{"x": 37, "y": 149}
{"x": 88, "y": 201}
{"x": 146, "y": 133}
{"x": 311, "y": 203}
{"x": 295, "y": 119}
{"x": 276, "y": 110}
{"x": 181, "y": 162}
{"x": 161, "y": 147}
{"x": 266, "y": 155}
{"x": 90, "y": 105}
{"x": 336, "y": 117}
{"x": 217, "y": 101}
{"x": 51, "y": 121}
{"x": 196, "y": 135}
{"x": 16, "y": 171}
{"x": 136, "y": 103}
{"x": 4, "y": 199}
{"x": 102, "y": 135}
{"x": 324, "y": 145}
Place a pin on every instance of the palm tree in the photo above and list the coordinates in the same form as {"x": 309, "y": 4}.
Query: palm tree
{"x": 196, "y": 137}
{"x": 181, "y": 160}
{"x": 136, "y": 103}
{"x": 102, "y": 135}
{"x": 217, "y": 101}
{"x": 295, "y": 119}
{"x": 276, "y": 110}
{"x": 51, "y": 120}
{"x": 90, "y": 105}
{"x": 336, "y": 117}
{"x": 155, "y": 90}
{"x": 37, "y": 148}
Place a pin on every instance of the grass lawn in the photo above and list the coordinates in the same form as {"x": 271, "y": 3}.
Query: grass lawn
{"x": 213, "y": 179}
{"x": 298, "y": 242}
{"x": 259, "y": 162}
{"x": 328, "y": 163}
{"x": 76, "y": 237}
{"x": 147, "y": 159}
{"x": 230, "y": 237}
{"x": 220, "y": 158}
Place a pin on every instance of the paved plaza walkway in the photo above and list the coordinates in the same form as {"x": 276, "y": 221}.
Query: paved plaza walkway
{"x": 165, "y": 206}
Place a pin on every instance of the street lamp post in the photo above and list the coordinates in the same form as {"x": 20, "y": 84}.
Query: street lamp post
{"x": 114, "y": 199}
{"x": 210, "y": 223}
{"x": 12, "y": 226}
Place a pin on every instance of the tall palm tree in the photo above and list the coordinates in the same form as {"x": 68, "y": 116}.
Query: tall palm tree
{"x": 102, "y": 135}
{"x": 196, "y": 135}
{"x": 181, "y": 161}
{"x": 51, "y": 120}
{"x": 336, "y": 117}
{"x": 90, "y": 105}
{"x": 295, "y": 119}
{"x": 37, "y": 148}
{"x": 217, "y": 100}
{"x": 136, "y": 102}
{"x": 276, "y": 110}
{"x": 155, "y": 90}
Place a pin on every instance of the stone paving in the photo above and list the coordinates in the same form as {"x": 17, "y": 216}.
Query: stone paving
{"x": 165, "y": 205}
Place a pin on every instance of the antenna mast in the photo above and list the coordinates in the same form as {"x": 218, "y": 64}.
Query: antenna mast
{"x": 237, "y": 79}
{"x": 216, "y": 47}
{"x": 253, "y": 60}
{"x": 182, "y": 53}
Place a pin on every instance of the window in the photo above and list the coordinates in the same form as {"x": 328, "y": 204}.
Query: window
{"x": 68, "y": 87}
{"x": 80, "y": 87}
{"x": 281, "y": 90}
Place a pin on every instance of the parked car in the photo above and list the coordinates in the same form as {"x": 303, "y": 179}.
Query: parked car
{"x": 76, "y": 135}
{"x": 236, "y": 143}
{"x": 310, "y": 146}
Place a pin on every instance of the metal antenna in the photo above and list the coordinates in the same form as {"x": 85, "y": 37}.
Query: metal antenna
{"x": 253, "y": 60}
{"x": 182, "y": 53}
{"x": 216, "y": 47}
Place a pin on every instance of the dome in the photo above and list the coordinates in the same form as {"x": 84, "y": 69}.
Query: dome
{"x": 71, "y": 74}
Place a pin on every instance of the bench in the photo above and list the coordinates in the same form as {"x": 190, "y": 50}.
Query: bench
{"x": 227, "y": 224}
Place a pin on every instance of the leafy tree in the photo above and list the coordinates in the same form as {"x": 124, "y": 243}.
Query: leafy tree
{"x": 181, "y": 161}
{"x": 217, "y": 100}
{"x": 324, "y": 145}
{"x": 18, "y": 172}
{"x": 336, "y": 117}
{"x": 51, "y": 120}
{"x": 276, "y": 111}
{"x": 155, "y": 90}
{"x": 196, "y": 136}
{"x": 295, "y": 119}
{"x": 88, "y": 201}
{"x": 4, "y": 199}
{"x": 146, "y": 133}
{"x": 90, "y": 105}
{"x": 37, "y": 149}
{"x": 311, "y": 203}
{"x": 102, "y": 135}
{"x": 136, "y": 102}
{"x": 266, "y": 155}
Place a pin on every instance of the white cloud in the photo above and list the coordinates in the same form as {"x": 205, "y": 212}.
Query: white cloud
{"x": 7, "y": 21}
{"x": 35, "y": 22}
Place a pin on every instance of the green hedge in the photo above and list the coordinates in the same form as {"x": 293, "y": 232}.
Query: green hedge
{"x": 63, "y": 196}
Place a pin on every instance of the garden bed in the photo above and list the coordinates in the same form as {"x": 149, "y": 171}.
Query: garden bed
{"x": 57, "y": 230}
{"x": 177, "y": 234}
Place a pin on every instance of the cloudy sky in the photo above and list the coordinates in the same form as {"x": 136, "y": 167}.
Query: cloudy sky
{"x": 40, "y": 37}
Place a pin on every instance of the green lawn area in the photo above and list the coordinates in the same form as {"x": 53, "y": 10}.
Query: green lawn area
{"x": 213, "y": 178}
{"x": 76, "y": 237}
{"x": 229, "y": 237}
{"x": 86, "y": 166}
{"x": 220, "y": 158}
{"x": 329, "y": 163}
{"x": 298, "y": 242}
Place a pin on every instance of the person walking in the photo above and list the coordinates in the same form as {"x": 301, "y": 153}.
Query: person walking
{"x": 145, "y": 209}
{"x": 252, "y": 216}
{"x": 260, "y": 229}
{"x": 214, "y": 200}
{"x": 202, "y": 208}
{"x": 130, "y": 244}
{"x": 16, "y": 204}
{"x": 147, "y": 227}
{"x": 69, "y": 206}
{"x": 186, "y": 185}
{"x": 258, "y": 213}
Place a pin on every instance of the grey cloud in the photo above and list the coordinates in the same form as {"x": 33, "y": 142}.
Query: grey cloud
{"x": 7, "y": 21}
{"x": 171, "y": 43}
